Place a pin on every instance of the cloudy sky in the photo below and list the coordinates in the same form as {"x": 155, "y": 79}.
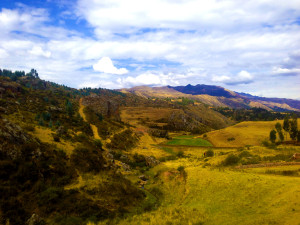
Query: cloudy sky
{"x": 248, "y": 46}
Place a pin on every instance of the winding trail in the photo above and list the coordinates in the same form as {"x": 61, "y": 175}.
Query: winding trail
{"x": 94, "y": 128}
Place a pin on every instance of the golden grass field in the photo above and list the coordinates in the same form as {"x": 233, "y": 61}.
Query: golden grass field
{"x": 134, "y": 115}
{"x": 216, "y": 195}
{"x": 245, "y": 133}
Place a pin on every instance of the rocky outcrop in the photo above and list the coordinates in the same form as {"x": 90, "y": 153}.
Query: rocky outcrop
{"x": 35, "y": 220}
{"x": 151, "y": 161}
{"x": 15, "y": 143}
{"x": 103, "y": 105}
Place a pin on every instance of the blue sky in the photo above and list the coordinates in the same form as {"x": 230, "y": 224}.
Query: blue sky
{"x": 247, "y": 46}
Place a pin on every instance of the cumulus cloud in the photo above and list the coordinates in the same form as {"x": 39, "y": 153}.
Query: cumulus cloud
{"x": 286, "y": 71}
{"x": 38, "y": 51}
{"x": 257, "y": 37}
{"x": 148, "y": 78}
{"x": 243, "y": 77}
{"x": 105, "y": 65}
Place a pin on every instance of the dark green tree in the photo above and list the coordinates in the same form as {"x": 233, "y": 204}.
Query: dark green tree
{"x": 278, "y": 128}
{"x": 293, "y": 128}
{"x": 41, "y": 122}
{"x": 298, "y": 136}
{"x": 69, "y": 108}
{"x": 286, "y": 126}
{"x": 273, "y": 136}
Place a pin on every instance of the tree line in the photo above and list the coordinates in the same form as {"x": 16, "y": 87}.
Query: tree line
{"x": 290, "y": 126}
{"x": 15, "y": 75}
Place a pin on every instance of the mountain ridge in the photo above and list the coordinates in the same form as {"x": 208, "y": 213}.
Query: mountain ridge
{"x": 216, "y": 96}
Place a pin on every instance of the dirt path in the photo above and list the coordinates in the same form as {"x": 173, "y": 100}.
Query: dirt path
{"x": 94, "y": 128}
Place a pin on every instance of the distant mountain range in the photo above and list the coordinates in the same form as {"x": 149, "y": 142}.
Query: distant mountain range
{"x": 216, "y": 96}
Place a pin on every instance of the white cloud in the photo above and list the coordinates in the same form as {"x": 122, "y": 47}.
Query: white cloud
{"x": 105, "y": 65}
{"x": 286, "y": 71}
{"x": 179, "y": 41}
{"x": 148, "y": 78}
{"x": 38, "y": 51}
{"x": 243, "y": 77}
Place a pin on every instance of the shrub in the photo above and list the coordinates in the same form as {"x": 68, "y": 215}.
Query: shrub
{"x": 87, "y": 160}
{"x": 56, "y": 138}
{"x": 29, "y": 127}
{"x": 245, "y": 154}
{"x": 180, "y": 168}
{"x": 180, "y": 154}
{"x": 209, "y": 153}
{"x": 98, "y": 143}
{"x": 231, "y": 160}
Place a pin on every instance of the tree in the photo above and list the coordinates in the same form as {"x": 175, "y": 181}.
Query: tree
{"x": 293, "y": 128}
{"x": 286, "y": 125}
{"x": 273, "y": 136}
{"x": 278, "y": 128}
{"x": 33, "y": 73}
{"x": 298, "y": 136}
{"x": 69, "y": 108}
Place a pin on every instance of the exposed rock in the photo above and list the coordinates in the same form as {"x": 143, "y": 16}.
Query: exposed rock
{"x": 103, "y": 105}
{"x": 125, "y": 166}
{"x": 124, "y": 158}
{"x": 35, "y": 220}
{"x": 11, "y": 139}
{"x": 151, "y": 161}
{"x": 61, "y": 131}
{"x": 143, "y": 178}
{"x": 57, "y": 109}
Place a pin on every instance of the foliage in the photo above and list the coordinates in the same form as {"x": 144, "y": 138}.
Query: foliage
{"x": 278, "y": 128}
{"x": 273, "y": 136}
{"x": 180, "y": 168}
{"x": 209, "y": 153}
{"x": 293, "y": 128}
{"x": 231, "y": 160}
{"x": 180, "y": 154}
{"x": 87, "y": 160}
{"x": 253, "y": 114}
{"x": 125, "y": 140}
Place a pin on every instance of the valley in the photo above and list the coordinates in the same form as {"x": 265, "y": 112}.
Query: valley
{"x": 99, "y": 156}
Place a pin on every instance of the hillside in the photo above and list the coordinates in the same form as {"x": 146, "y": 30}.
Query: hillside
{"x": 217, "y": 97}
{"x": 141, "y": 156}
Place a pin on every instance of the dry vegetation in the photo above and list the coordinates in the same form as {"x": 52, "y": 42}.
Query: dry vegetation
{"x": 242, "y": 134}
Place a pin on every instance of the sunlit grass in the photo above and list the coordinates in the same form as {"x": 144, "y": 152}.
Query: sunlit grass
{"x": 189, "y": 142}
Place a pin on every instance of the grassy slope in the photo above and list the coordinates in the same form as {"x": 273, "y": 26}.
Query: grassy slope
{"x": 189, "y": 142}
{"x": 245, "y": 133}
{"x": 221, "y": 196}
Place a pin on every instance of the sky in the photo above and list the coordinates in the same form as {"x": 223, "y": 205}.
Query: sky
{"x": 246, "y": 46}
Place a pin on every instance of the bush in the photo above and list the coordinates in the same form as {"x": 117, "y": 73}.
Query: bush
{"x": 87, "y": 160}
{"x": 56, "y": 138}
{"x": 180, "y": 154}
{"x": 245, "y": 154}
{"x": 231, "y": 160}
{"x": 30, "y": 128}
{"x": 209, "y": 153}
{"x": 180, "y": 168}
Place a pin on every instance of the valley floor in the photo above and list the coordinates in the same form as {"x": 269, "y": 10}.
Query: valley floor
{"x": 203, "y": 192}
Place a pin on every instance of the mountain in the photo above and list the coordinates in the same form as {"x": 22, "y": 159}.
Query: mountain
{"x": 217, "y": 96}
